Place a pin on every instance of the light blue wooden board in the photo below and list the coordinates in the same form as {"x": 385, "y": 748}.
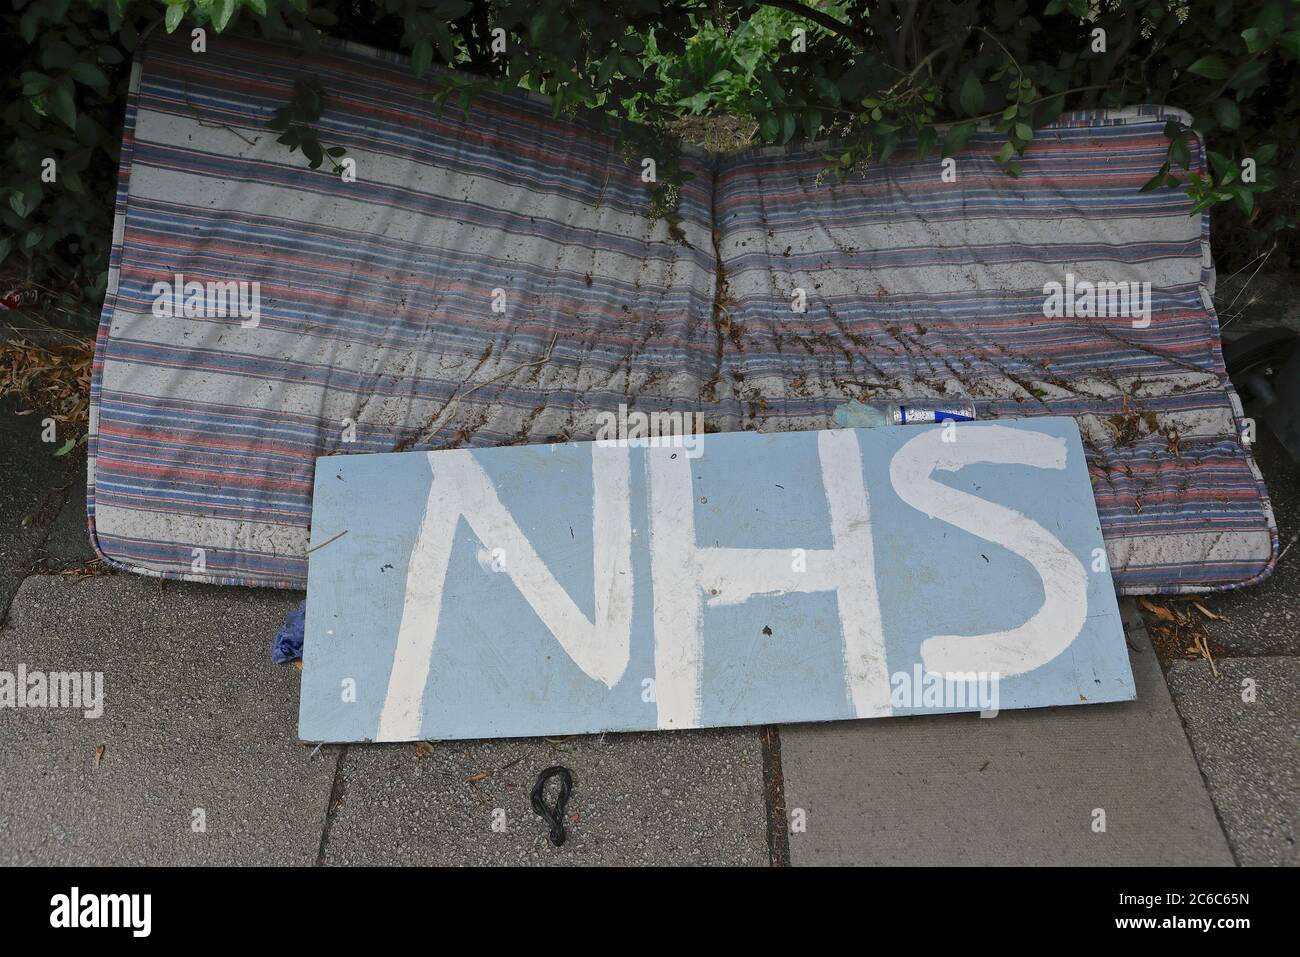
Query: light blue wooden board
{"x": 434, "y": 576}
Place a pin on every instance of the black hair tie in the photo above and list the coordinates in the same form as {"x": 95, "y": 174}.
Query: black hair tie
{"x": 554, "y": 818}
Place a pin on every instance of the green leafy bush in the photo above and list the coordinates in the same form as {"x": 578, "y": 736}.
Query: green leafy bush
{"x": 867, "y": 74}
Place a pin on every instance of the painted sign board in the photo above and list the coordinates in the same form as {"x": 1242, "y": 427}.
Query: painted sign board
{"x": 751, "y": 578}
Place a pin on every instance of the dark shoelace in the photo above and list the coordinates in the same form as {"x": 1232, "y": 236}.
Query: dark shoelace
{"x": 553, "y": 817}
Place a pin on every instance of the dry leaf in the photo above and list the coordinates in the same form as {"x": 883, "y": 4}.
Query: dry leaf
{"x": 475, "y": 778}
{"x": 422, "y": 750}
{"x": 99, "y": 754}
{"x": 54, "y": 379}
{"x": 1203, "y": 647}
{"x": 1206, "y": 612}
{"x": 1164, "y": 614}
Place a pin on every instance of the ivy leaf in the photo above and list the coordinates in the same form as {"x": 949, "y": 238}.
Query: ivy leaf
{"x": 631, "y": 66}
{"x": 1226, "y": 112}
{"x": 1180, "y": 154}
{"x": 1210, "y": 67}
{"x": 1049, "y": 111}
{"x": 421, "y": 56}
{"x": 225, "y": 9}
{"x": 971, "y": 96}
{"x": 925, "y": 140}
{"x": 90, "y": 75}
{"x": 771, "y": 87}
{"x": 446, "y": 45}
{"x": 537, "y": 28}
{"x": 956, "y": 138}
{"x": 307, "y": 95}
{"x": 175, "y": 14}
{"x": 1272, "y": 19}
{"x": 888, "y": 144}
{"x": 1222, "y": 165}
{"x": 34, "y": 84}
{"x": 55, "y": 54}
{"x": 1155, "y": 182}
{"x": 1256, "y": 39}
{"x": 1248, "y": 74}
{"x": 1245, "y": 199}
{"x": 311, "y": 149}
{"x": 605, "y": 72}
{"x": 62, "y": 104}
{"x": 853, "y": 81}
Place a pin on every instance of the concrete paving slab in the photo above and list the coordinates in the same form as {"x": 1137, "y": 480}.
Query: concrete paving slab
{"x": 687, "y": 797}
{"x": 195, "y": 716}
{"x": 1249, "y": 751}
{"x": 1021, "y": 788}
{"x": 68, "y": 541}
{"x": 30, "y": 494}
{"x": 1265, "y": 618}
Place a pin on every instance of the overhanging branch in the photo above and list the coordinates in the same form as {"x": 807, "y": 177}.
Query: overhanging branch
{"x": 819, "y": 17}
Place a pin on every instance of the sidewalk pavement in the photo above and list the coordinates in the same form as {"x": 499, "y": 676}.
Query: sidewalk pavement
{"x": 199, "y": 725}
{"x": 32, "y": 489}
{"x": 1086, "y": 784}
{"x": 199, "y": 728}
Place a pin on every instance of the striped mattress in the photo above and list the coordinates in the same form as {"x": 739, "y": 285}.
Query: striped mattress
{"x": 493, "y": 278}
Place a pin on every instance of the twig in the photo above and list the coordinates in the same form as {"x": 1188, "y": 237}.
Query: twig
{"x": 450, "y": 408}
{"x": 1246, "y": 285}
{"x": 1287, "y": 549}
{"x": 323, "y": 544}
{"x": 822, "y": 19}
{"x": 198, "y": 117}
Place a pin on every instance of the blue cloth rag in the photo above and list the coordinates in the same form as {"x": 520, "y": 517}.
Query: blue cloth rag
{"x": 288, "y": 640}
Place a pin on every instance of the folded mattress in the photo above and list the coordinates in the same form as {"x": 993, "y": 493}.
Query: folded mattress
{"x": 492, "y": 277}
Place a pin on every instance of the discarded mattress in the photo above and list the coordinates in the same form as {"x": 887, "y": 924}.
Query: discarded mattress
{"x": 492, "y": 278}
